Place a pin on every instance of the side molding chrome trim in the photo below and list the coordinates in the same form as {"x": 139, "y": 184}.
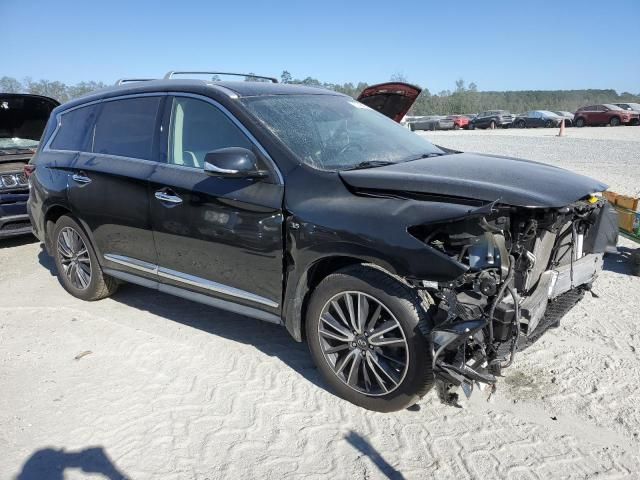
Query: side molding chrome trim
{"x": 214, "y": 286}
{"x": 189, "y": 279}
{"x": 196, "y": 297}
{"x": 132, "y": 263}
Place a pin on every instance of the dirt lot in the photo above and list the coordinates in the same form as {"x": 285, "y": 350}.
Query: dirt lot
{"x": 149, "y": 386}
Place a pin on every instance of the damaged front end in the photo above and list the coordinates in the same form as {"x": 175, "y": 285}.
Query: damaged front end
{"x": 526, "y": 268}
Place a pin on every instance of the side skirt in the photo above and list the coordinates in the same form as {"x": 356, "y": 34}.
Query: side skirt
{"x": 196, "y": 297}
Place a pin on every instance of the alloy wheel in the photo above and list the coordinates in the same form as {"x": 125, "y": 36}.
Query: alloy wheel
{"x": 74, "y": 258}
{"x": 363, "y": 343}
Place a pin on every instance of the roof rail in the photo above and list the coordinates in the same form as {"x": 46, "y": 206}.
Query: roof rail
{"x": 171, "y": 74}
{"x": 122, "y": 81}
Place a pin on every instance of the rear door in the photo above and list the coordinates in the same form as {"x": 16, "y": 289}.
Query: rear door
{"x": 216, "y": 236}
{"x": 393, "y": 99}
{"x": 108, "y": 184}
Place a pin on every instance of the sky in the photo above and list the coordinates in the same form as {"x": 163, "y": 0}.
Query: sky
{"x": 499, "y": 45}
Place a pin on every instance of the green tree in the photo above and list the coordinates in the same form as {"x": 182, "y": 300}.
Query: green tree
{"x": 10, "y": 85}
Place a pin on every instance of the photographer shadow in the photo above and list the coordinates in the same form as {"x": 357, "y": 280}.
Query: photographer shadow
{"x": 50, "y": 464}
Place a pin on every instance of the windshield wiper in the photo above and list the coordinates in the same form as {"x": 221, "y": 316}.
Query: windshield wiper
{"x": 423, "y": 155}
{"x": 370, "y": 164}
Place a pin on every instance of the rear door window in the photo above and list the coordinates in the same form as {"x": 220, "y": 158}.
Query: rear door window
{"x": 76, "y": 129}
{"x": 126, "y": 127}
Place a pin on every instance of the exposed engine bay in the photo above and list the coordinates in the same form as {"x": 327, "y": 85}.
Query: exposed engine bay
{"x": 526, "y": 268}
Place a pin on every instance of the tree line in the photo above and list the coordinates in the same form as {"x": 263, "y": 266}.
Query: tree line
{"x": 464, "y": 98}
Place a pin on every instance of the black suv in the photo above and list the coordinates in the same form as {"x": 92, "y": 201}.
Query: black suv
{"x": 402, "y": 264}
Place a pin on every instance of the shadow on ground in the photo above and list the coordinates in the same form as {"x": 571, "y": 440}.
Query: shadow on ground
{"x": 620, "y": 262}
{"x": 51, "y": 463}
{"x": 367, "y": 449}
{"x": 274, "y": 340}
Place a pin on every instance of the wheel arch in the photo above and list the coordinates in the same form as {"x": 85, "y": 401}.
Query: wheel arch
{"x": 53, "y": 213}
{"x": 298, "y": 293}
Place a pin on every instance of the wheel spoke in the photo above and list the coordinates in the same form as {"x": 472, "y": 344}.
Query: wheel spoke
{"x": 384, "y": 328}
{"x": 352, "y": 316}
{"x": 386, "y": 341}
{"x": 352, "y": 379}
{"x": 338, "y": 309}
{"x": 374, "y": 317}
{"x": 333, "y": 323}
{"x": 384, "y": 368}
{"x": 336, "y": 349}
{"x": 363, "y": 312}
{"x": 346, "y": 359}
{"x": 379, "y": 380}
{"x": 63, "y": 249}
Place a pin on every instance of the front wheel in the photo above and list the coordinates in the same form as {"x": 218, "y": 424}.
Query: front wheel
{"x": 580, "y": 122}
{"x": 362, "y": 330}
{"x": 614, "y": 122}
{"x": 492, "y": 125}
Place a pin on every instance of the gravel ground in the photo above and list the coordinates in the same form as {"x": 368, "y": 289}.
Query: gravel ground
{"x": 148, "y": 386}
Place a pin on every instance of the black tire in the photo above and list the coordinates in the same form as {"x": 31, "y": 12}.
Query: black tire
{"x": 472, "y": 126}
{"x": 404, "y": 307}
{"x": 456, "y": 126}
{"x": 580, "y": 122}
{"x": 492, "y": 125}
{"x": 99, "y": 285}
{"x": 548, "y": 124}
{"x": 614, "y": 122}
{"x": 521, "y": 124}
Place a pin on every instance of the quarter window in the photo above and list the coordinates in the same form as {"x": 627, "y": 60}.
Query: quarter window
{"x": 125, "y": 127}
{"x": 76, "y": 130}
{"x": 197, "y": 128}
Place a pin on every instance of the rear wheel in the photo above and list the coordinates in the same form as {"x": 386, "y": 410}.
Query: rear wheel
{"x": 78, "y": 269}
{"x": 521, "y": 124}
{"x": 548, "y": 124}
{"x": 362, "y": 330}
{"x": 456, "y": 126}
{"x": 614, "y": 122}
{"x": 580, "y": 122}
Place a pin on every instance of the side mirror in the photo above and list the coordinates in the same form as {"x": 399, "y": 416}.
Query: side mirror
{"x": 233, "y": 162}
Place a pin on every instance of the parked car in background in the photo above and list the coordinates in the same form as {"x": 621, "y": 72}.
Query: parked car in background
{"x": 568, "y": 117}
{"x": 22, "y": 121}
{"x": 400, "y": 263}
{"x": 630, "y": 107}
{"x": 459, "y": 121}
{"x": 492, "y": 119}
{"x": 605, "y": 114}
{"x": 434, "y": 122}
{"x": 537, "y": 118}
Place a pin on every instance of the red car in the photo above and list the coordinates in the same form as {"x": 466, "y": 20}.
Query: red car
{"x": 459, "y": 121}
{"x": 605, "y": 114}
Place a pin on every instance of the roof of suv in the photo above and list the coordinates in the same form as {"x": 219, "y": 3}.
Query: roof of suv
{"x": 235, "y": 89}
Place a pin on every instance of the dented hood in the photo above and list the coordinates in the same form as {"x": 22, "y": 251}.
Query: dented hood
{"x": 393, "y": 99}
{"x": 511, "y": 181}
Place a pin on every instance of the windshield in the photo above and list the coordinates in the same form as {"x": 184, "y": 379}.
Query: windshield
{"x": 22, "y": 121}
{"x": 337, "y": 133}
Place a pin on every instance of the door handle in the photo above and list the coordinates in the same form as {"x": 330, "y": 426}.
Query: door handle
{"x": 163, "y": 196}
{"x": 80, "y": 178}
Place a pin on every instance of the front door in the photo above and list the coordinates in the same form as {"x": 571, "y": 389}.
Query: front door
{"x": 217, "y": 236}
{"x": 108, "y": 184}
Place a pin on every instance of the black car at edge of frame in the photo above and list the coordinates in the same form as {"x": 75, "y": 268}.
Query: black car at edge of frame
{"x": 402, "y": 264}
